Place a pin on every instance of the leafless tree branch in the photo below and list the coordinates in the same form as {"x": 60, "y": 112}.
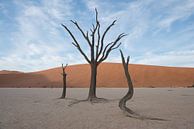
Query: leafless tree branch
{"x": 111, "y": 46}
{"x": 76, "y": 44}
{"x": 84, "y": 35}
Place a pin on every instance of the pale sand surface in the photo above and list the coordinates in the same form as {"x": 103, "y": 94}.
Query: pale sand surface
{"x": 40, "y": 109}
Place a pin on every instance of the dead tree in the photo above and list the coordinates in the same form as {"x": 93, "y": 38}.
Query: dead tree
{"x": 99, "y": 51}
{"x": 129, "y": 95}
{"x": 64, "y": 81}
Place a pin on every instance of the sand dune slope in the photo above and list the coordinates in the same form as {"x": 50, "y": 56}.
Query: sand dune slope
{"x": 109, "y": 75}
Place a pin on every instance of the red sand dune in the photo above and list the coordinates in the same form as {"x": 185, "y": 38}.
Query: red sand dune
{"x": 9, "y": 72}
{"x": 109, "y": 75}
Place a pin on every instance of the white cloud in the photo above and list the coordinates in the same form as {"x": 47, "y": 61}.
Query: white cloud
{"x": 92, "y": 4}
{"x": 172, "y": 58}
{"x": 39, "y": 34}
{"x": 133, "y": 18}
{"x": 178, "y": 11}
{"x": 38, "y": 41}
{"x": 58, "y": 9}
{"x": 137, "y": 17}
{"x": 33, "y": 57}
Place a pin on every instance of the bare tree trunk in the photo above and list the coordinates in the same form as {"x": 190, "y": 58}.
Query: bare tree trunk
{"x": 64, "y": 87}
{"x": 129, "y": 95}
{"x": 64, "y": 82}
{"x": 92, "y": 90}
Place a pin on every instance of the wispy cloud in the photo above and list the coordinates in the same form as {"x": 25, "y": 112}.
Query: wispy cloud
{"x": 180, "y": 11}
{"x": 178, "y": 58}
{"x": 37, "y": 39}
{"x": 149, "y": 18}
{"x": 157, "y": 31}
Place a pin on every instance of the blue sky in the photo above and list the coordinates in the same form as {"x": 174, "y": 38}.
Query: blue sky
{"x": 159, "y": 32}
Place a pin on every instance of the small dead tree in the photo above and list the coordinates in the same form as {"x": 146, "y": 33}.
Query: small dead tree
{"x": 98, "y": 50}
{"x": 64, "y": 81}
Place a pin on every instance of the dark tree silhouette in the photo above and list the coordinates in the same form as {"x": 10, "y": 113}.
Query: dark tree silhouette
{"x": 129, "y": 95}
{"x": 99, "y": 51}
{"x": 64, "y": 81}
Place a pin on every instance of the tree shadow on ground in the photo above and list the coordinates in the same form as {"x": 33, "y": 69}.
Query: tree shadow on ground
{"x": 128, "y": 112}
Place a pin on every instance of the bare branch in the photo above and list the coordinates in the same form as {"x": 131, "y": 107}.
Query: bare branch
{"x": 104, "y": 34}
{"x": 93, "y": 26}
{"x": 66, "y": 65}
{"x": 98, "y": 34}
{"x": 70, "y": 33}
{"x": 96, "y": 14}
{"x": 111, "y": 47}
{"x": 98, "y": 43}
{"x": 116, "y": 46}
{"x": 64, "y": 68}
{"x": 93, "y": 31}
{"x": 122, "y": 57}
{"x": 125, "y": 63}
{"x": 80, "y": 50}
{"x": 84, "y": 35}
{"x": 76, "y": 44}
{"x": 105, "y": 49}
{"x": 128, "y": 58}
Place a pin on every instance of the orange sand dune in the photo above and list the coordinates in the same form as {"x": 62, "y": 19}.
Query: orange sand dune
{"x": 9, "y": 72}
{"x": 109, "y": 75}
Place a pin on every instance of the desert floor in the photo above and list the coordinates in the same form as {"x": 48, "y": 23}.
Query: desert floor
{"x": 40, "y": 108}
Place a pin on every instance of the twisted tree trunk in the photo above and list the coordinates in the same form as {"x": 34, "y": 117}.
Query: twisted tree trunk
{"x": 129, "y": 95}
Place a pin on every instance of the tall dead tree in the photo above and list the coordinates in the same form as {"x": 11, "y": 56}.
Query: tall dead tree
{"x": 64, "y": 81}
{"x": 99, "y": 50}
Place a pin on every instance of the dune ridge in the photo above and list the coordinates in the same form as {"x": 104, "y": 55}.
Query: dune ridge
{"x": 109, "y": 75}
